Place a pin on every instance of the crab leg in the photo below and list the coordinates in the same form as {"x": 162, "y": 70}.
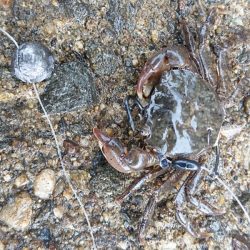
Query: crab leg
{"x": 201, "y": 205}
{"x": 119, "y": 158}
{"x": 181, "y": 218}
{"x": 128, "y": 109}
{"x": 137, "y": 183}
{"x": 174, "y": 176}
{"x": 185, "y": 194}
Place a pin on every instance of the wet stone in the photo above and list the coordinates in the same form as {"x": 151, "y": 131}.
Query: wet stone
{"x": 18, "y": 214}
{"x": 32, "y": 63}
{"x": 71, "y": 87}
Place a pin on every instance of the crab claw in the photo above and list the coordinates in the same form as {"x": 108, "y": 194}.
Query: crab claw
{"x": 118, "y": 157}
{"x": 177, "y": 57}
{"x": 151, "y": 73}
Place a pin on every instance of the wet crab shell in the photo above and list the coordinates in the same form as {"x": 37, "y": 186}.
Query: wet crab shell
{"x": 182, "y": 107}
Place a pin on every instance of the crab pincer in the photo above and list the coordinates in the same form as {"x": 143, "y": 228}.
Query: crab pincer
{"x": 122, "y": 160}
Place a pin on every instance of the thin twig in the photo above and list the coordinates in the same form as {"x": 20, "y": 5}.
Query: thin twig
{"x": 10, "y": 37}
{"x": 63, "y": 166}
{"x": 231, "y": 192}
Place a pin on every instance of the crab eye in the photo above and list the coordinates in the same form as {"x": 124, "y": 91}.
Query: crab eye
{"x": 164, "y": 163}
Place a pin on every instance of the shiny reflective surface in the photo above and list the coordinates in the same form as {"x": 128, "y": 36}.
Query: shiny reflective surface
{"x": 181, "y": 110}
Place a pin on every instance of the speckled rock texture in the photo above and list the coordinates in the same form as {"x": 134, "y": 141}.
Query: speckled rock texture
{"x": 111, "y": 41}
{"x": 71, "y": 87}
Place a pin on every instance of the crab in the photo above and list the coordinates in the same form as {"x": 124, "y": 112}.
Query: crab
{"x": 182, "y": 118}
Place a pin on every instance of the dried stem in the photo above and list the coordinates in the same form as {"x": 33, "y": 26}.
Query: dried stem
{"x": 63, "y": 166}
{"x": 231, "y": 192}
{"x": 10, "y": 37}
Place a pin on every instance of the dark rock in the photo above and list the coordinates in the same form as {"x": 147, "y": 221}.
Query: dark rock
{"x": 22, "y": 11}
{"x": 5, "y": 142}
{"x": 45, "y": 236}
{"x": 122, "y": 15}
{"x": 71, "y": 87}
{"x": 105, "y": 62}
{"x": 32, "y": 63}
{"x": 246, "y": 104}
{"x": 75, "y": 9}
{"x": 240, "y": 241}
{"x": 105, "y": 180}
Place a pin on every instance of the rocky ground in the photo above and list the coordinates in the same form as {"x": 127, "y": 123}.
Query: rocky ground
{"x": 100, "y": 48}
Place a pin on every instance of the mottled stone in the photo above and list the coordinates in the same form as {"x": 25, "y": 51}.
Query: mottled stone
{"x": 122, "y": 15}
{"x": 105, "y": 63}
{"x": 23, "y": 11}
{"x": 71, "y": 87}
{"x": 246, "y": 104}
{"x": 45, "y": 236}
{"x": 58, "y": 211}
{"x": 21, "y": 180}
{"x": 45, "y": 183}
{"x": 18, "y": 214}
{"x": 6, "y": 4}
{"x": 77, "y": 10}
{"x": 32, "y": 63}
{"x": 2, "y": 247}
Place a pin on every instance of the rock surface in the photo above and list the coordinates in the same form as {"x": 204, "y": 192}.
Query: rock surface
{"x": 18, "y": 214}
{"x": 107, "y": 42}
{"x": 70, "y": 88}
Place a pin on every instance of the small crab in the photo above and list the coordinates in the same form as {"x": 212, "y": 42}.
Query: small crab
{"x": 182, "y": 119}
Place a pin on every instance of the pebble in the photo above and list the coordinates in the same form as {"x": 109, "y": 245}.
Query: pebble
{"x": 123, "y": 245}
{"x": 76, "y": 10}
{"x": 231, "y": 131}
{"x": 7, "y": 177}
{"x": 18, "y": 214}
{"x": 45, "y": 183}
{"x": 60, "y": 185}
{"x": 67, "y": 193}
{"x": 58, "y": 211}
{"x": 5, "y": 4}
{"x": 154, "y": 35}
{"x": 246, "y": 105}
{"x": 71, "y": 147}
{"x": 109, "y": 131}
{"x": 21, "y": 180}
{"x": 85, "y": 142}
{"x": 2, "y": 247}
{"x": 105, "y": 63}
{"x": 32, "y": 63}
